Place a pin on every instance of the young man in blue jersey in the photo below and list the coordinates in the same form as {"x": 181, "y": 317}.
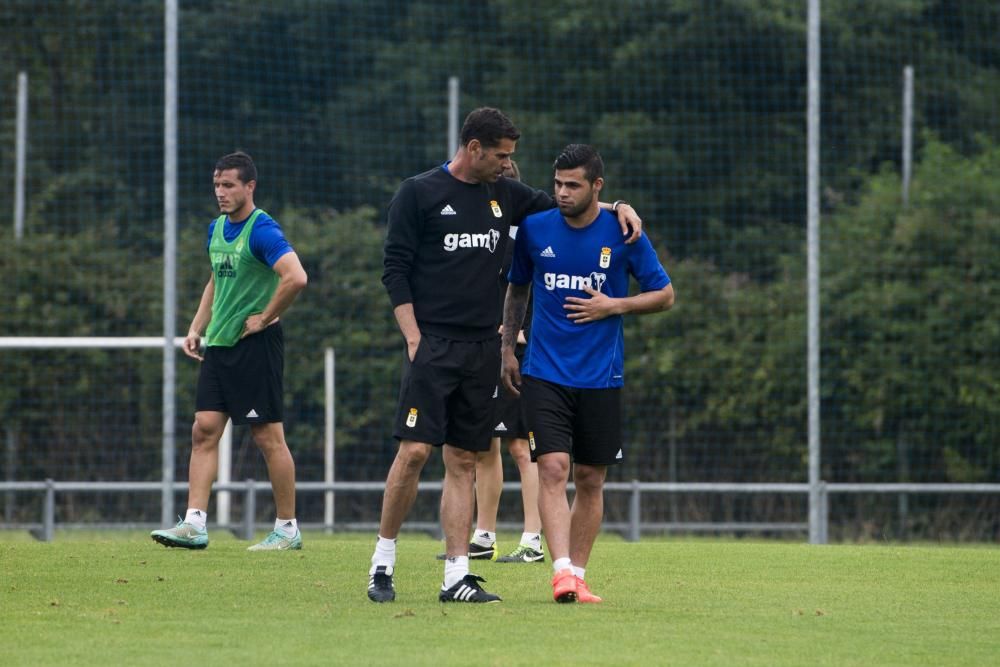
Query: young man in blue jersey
{"x": 255, "y": 277}
{"x": 577, "y": 266}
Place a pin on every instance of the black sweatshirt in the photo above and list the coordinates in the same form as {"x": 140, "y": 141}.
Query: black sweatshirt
{"x": 445, "y": 245}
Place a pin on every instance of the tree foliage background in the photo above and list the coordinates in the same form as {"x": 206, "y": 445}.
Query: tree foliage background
{"x": 698, "y": 110}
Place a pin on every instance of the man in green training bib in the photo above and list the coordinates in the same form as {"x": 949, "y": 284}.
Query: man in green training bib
{"x": 255, "y": 277}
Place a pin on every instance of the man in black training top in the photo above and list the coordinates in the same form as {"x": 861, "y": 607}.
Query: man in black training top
{"x": 448, "y": 228}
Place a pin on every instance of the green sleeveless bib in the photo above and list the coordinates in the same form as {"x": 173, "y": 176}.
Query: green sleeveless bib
{"x": 243, "y": 284}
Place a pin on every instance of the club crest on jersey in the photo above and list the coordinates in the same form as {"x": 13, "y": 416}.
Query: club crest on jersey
{"x": 495, "y": 205}
{"x": 605, "y": 257}
{"x": 411, "y": 419}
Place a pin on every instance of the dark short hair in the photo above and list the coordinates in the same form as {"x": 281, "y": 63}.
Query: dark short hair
{"x": 581, "y": 155}
{"x": 490, "y": 126}
{"x": 241, "y": 162}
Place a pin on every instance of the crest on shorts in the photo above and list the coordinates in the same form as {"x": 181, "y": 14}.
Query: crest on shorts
{"x": 531, "y": 440}
{"x": 495, "y": 205}
{"x": 605, "y": 257}
{"x": 411, "y": 419}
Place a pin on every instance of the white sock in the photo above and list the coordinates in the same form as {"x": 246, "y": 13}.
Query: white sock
{"x": 484, "y": 538}
{"x": 533, "y": 540}
{"x": 455, "y": 569}
{"x": 385, "y": 554}
{"x": 196, "y": 518}
{"x": 579, "y": 572}
{"x": 560, "y": 564}
{"x": 287, "y": 527}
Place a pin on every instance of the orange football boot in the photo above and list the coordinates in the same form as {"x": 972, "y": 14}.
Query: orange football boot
{"x": 583, "y": 593}
{"x": 564, "y": 586}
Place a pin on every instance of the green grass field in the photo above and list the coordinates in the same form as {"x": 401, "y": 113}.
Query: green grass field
{"x": 120, "y": 599}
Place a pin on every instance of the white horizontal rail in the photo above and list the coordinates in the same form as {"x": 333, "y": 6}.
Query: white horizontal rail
{"x": 84, "y": 342}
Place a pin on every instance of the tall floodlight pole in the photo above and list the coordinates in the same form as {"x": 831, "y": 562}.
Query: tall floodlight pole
{"x": 169, "y": 252}
{"x": 907, "y": 131}
{"x": 816, "y": 521}
{"x": 452, "y": 116}
{"x": 21, "y": 153}
{"x": 20, "y": 169}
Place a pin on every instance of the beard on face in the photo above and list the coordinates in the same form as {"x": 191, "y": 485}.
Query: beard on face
{"x": 578, "y": 209}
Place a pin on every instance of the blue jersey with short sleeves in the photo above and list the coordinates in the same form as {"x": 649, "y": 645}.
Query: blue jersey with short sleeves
{"x": 558, "y": 260}
{"x": 267, "y": 241}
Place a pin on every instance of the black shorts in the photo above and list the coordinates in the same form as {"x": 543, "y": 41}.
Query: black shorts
{"x": 585, "y": 423}
{"x": 245, "y": 381}
{"x": 447, "y": 393}
{"x": 511, "y": 422}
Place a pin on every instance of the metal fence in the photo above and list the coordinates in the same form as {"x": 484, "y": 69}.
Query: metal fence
{"x": 809, "y": 173}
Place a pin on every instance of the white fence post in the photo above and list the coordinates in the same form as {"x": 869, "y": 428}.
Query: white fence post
{"x": 329, "y": 449}
{"x": 223, "y": 499}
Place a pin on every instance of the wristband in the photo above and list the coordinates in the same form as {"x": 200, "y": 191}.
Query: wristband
{"x": 618, "y": 202}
